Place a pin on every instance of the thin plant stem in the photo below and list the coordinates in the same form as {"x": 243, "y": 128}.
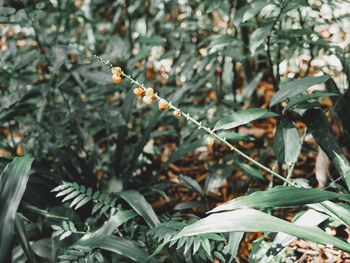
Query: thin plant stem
{"x": 201, "y": 126}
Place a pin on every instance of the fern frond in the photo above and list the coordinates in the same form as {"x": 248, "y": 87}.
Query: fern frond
{"x": 79, "y": 196}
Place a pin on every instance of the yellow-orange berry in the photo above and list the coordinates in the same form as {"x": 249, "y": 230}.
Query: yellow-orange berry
{"x": 210, "y": 141}
{"x": 176, "y": 113}
{"x": 163, "y": 104}
{"x": 117, "y": 78}
{"x": 138, "y": 91}
{"x": 149, "y": 92}
{"x": 147, "y": 99}
{"x": 116, "y": 71}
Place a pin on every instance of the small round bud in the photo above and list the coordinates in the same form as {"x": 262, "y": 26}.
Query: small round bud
{"x": 138, "y": 91}
{"x": 117, "y": 78}
{"x": 116, "y": 71}
{"x": 176, "y": 113}
{"x": 147, "y": 99}
{"x": 210, "y": 141}
{"x": 163, "y": 104}
{"x": 149, "y": 92}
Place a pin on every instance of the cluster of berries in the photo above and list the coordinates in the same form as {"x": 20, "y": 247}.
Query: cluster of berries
{"x": 149, "y": 96}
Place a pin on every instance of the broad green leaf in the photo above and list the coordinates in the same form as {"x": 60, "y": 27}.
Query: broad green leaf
{"x": 250, "y": 220}
{"x": 258, "y": 37}
{"x": 280, "y": 196}
{"x": 118, "y": 245}
{"x": 141, "y": 206}
{"x": 13, "y": 182}
{"x": 286, "y": 143}
{"x": 303, "y": 98}
{"x": 242, "y": 117}
{"x": 295, "y": 87}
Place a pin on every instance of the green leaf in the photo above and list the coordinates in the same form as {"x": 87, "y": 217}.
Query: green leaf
{"x": 13, "y": 182}
{"x": 77, "y": 200}
{"x": 220, "y": 42}
{"x": 295, "y": 87}
{"x": 82, "y": 202}
{"x": 242, "y": 117}
{"x": 14, "y": 97}
{"x": 280, "y": 196}
{"x": 65, "y": 235}
{"x": 191, "y": 184}
{"x": 286, "y": 143}
{"x": 23, "y": 238}
{"x": 120, "y": 246}
{"x": 247, "y": 12}
{"x": 303, "y": 98}
{"x": 141, "y": 206}
{"x": 233, "y": 244}
{"x": 70, "y": 196}
{"x": 258, "y": 37}
{"x": 251, "y": 171}
{"x": 114, "y": 222}
{"x": 250, "y": 220}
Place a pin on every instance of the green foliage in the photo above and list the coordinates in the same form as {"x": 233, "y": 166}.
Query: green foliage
{"x": 101, "y": 150}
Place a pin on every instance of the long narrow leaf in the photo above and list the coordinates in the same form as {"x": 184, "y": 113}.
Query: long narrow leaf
{"x": 141, "y": 206}
{"x": 280, "y": 196}
{"x": 13, "y": 182}
{"x": 23, "y": 239}
{"x": 250, "y": 220}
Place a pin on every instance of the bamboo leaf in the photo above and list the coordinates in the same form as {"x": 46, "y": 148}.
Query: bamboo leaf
{"x": 250, "y": 220}
{"x": 286, "y": 143}
{"x": 13, "y": 182}
{"x": 280, "y": 196}
{"x": 141, "y": 206}
{"x": 242, "y": 117}
{"x": 295, "y": 87}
